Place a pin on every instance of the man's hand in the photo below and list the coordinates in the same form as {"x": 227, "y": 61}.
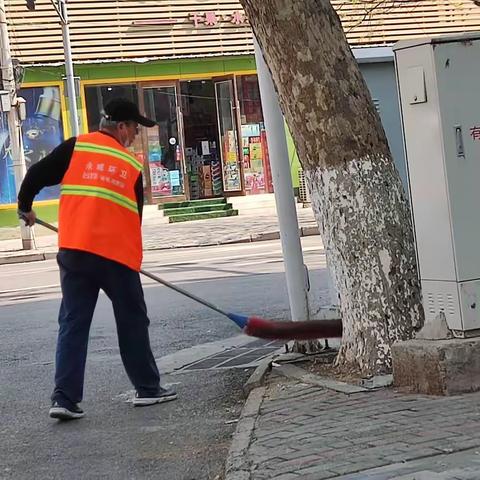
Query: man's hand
{"x": 29, "y": 217}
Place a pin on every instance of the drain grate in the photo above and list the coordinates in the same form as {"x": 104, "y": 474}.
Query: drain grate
{"x": 239, "y": 357}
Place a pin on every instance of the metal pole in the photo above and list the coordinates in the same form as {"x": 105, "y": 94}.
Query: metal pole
{"x": 71, "y": 91}
{"x": 295, "y": 270}
{"x": 14, "y": 126}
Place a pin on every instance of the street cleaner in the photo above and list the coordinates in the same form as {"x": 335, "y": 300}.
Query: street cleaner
{"x": 100, "y": 248}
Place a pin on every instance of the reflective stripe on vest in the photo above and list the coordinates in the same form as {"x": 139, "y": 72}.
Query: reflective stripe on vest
{"x": 105, "y": 193}
{"x": 93, "y": 148}
{"x": 98, "y": 203}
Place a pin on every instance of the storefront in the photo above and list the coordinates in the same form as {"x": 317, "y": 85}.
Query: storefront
{"x": 210, "y": 140}
{"x": 191, "y": 66}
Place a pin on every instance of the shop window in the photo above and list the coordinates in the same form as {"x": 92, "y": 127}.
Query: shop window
{"x": 164, "y": 146}
{"x": 256, "y": 165}
{"x": 249, "y": 98}
{"x": 43, "y": 129}
{"x": 202, "y": 153}
{"x": 7, "y": 179}
{"x": 98, "y": 96}
{"x": 228, "y": 130}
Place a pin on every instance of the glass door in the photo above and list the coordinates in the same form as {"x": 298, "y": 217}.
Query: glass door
{"x": 229, "y": 135}
{"x": 163, "y": 144}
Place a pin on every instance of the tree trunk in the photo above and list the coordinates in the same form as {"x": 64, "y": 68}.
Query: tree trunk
{"x": 356, "y": 192}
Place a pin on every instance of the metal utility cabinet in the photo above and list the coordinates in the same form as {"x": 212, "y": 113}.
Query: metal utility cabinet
{"x": 439, "y": 86}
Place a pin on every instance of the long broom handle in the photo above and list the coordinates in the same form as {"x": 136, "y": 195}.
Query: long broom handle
{"x": 185, "y": 293}
{"x": 179, "y": 290}
{"x": 46, "y": 225}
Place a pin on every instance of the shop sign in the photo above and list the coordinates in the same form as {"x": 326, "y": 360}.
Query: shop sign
{"x": 200, "y": 19}
{"x": 213, "y": 19}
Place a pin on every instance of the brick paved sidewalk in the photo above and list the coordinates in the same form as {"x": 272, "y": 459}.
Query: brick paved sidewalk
{"x": 160, "y": 235}
{"x": 292, "y": 430}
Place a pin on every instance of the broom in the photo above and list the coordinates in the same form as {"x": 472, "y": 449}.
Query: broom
{"x": 255, "y": 326}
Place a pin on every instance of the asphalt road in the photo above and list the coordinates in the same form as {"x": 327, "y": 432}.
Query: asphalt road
{"x": 187, "y": 439}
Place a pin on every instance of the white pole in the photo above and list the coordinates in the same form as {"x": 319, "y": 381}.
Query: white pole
{"x": 295, "y": 270}
{"x": 71, "y": 91}
{"x": 14, "y": 126}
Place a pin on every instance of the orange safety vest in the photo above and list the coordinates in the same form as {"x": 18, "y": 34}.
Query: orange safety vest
{"x": 98, "y": 206}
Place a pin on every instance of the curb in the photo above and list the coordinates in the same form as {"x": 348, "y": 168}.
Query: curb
{"x": 301, "y": 375}
{"x": 236, "y": 466}
{"x": 27, "y": 257}
{"x": 38, "y": 256}
{"x": 309, "y": 231}
{"x": 257, "y": 378}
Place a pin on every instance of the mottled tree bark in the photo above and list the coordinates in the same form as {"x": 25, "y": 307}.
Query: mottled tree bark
{"x": 357, "y": 195}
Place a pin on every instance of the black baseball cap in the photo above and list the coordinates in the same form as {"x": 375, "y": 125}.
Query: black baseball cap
{"x": 123, "y": 110}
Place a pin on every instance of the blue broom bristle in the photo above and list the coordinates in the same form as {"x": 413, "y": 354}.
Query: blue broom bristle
{"x": 240, "y": 320}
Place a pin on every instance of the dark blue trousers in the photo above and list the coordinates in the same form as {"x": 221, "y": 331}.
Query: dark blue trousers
{"x": 82, "y": 276}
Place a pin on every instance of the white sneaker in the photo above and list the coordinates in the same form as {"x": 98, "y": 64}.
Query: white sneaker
{"x": 163, "y": 395}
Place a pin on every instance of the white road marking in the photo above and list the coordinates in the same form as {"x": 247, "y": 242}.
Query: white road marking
{"x": 27, "y": 289}
{"x": 187, "y": 266}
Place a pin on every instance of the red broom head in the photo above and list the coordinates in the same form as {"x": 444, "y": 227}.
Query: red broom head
{"x": 261, "y": 328}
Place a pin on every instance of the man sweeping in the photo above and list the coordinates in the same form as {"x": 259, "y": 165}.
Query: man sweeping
{"x": 100, "y": 248}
